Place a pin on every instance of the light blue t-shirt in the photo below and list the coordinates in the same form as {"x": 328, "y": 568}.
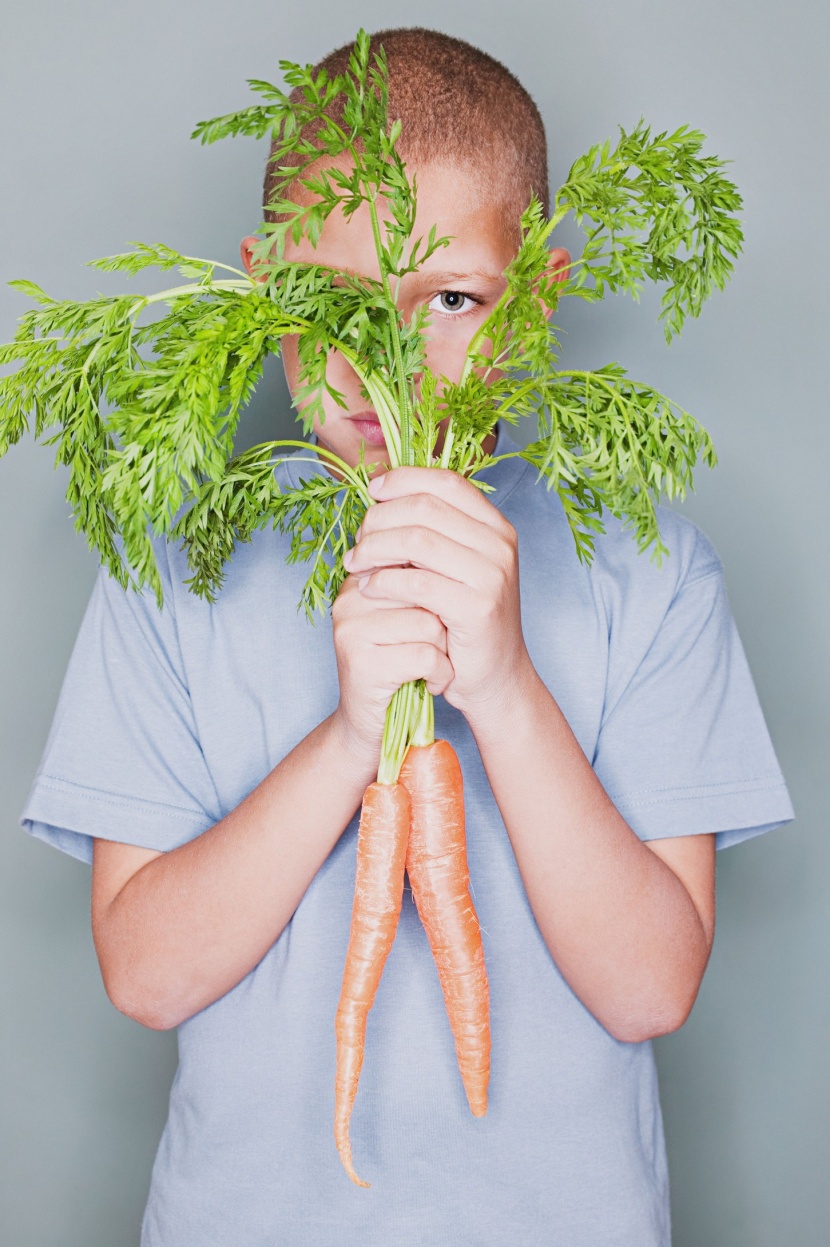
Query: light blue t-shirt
{"x": 168, "y": 719}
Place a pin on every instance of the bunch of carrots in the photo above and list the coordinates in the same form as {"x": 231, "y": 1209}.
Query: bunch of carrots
{"x": 148, "y": 437}
{"x": 414, "y": 823}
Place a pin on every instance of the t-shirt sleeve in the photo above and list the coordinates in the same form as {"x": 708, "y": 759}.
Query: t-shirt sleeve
{"x": 123, "y": 759}
{"x": 683, "y": 748}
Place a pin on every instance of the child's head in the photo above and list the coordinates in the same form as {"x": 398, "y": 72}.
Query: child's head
{"x": 458, "y": 107}
{"x": 476, "y": 142}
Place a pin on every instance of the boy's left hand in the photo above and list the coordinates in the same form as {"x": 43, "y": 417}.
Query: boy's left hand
{"x": 437, "y": 543}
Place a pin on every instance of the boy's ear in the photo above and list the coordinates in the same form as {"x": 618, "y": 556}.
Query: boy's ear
{"x": 559, "y": 264}
{"x": 558, "y": 267}
{"x": 246, "y": 252}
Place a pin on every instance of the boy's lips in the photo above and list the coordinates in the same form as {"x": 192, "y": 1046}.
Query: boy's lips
{"x": 368, "y": 425}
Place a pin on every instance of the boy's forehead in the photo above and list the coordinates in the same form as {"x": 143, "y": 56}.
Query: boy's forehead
{"x": 452, "y": 197}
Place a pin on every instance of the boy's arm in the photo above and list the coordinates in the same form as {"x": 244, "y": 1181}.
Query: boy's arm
{"x": 175, "y": 931}
{"x": 629, "y": 925}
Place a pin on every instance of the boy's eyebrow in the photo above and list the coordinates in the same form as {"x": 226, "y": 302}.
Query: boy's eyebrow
{"x": 428, "y": 277}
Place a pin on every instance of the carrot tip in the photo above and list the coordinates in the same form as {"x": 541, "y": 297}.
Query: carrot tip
{"x": 349, "y": 1167}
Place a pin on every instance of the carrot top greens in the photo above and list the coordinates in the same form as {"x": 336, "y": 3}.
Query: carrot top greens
{"x": 143, "y": 408}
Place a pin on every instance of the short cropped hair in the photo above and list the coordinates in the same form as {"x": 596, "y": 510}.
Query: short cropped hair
{"x": 457, "y": 106}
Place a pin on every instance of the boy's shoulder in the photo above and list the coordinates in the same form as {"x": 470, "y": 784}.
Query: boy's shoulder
{"x": 539, "y": 515}
{"x": 690, "y": 555}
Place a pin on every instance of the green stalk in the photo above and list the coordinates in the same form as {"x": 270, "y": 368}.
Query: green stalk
{"x": 396, "y": 734}
{"x": 400, "y": 372}
{"x": 410, "y": 715}
{"x": 197, "y": 288}
{"x": 423, "y": 729}
{"x": 382, "y": 401}
{"x": 410, "y": 720}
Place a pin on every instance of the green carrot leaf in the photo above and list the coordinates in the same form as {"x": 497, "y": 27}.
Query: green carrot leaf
{"x": 141, "y": 395}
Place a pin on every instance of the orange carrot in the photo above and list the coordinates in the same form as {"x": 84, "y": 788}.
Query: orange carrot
{"x": 381, "y": 856}
{"x": 436, "y": 863}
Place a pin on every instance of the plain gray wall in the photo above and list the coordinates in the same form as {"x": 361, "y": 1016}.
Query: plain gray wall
{"x": 98, "y": 100}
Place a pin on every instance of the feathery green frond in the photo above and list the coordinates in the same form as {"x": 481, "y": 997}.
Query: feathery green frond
{"x": 141, "y": 394}
{"x": 658, "y": 210}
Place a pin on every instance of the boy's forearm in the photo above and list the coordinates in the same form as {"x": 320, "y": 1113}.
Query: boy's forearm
{"x": 620, "y": 925}
{"x": 191, "y": 923}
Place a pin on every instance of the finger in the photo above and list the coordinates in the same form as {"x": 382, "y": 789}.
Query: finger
{"x": 426, "y": 511}
{"x": 350, "y": 598}
{"x": 450, "y": 487}
{"x": 452, "y": 602}
{"x": 383, "y": 621}
{"x": 413, "y": 660}
{"x": 422, "y": 547}
{"x": 420, "y": 661}
{"x": 403, "y": 626}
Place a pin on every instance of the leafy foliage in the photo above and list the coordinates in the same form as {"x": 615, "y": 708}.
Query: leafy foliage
{"x": 322, "y": 515}
{"x": 661, "y": 212}
{"x": 141, "y": 395}
{"x": 608, "y": 443}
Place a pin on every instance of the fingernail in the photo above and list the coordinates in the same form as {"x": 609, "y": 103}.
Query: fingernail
{"x": 357, "y": 534}
{"x": 347, "y": 558}
{"x": 377, "y": 485}
{"x": 362, "y": 581}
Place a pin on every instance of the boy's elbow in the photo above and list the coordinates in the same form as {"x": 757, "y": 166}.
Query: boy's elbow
{"x": 146, "y": 1013}
{"x": 651, "y": 1024}
{"x": 640, "y": 1032}
{"x": 140, "y": 1006}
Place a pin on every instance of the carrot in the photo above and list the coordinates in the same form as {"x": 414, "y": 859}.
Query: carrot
{"x": 381, "y": 856}
{"x": 436, "y": 863}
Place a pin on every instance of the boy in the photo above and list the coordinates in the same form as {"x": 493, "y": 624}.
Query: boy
{"x": 210, "y": 761}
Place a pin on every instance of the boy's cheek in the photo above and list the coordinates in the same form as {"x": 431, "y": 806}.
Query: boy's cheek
{"x": 291, "y": 367}
{"x": 445, "y": 358}
{"x": 445, "y": 349}
{"x": 290, "y": 361}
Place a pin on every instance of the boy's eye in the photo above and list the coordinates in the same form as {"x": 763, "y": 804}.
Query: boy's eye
{"x": 453, "y": 302}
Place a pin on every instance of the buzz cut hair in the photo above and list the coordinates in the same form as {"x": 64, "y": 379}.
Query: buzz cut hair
{"x": 459, "y": 107}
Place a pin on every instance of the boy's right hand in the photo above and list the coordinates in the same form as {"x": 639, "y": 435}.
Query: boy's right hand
{"x": 381, "y": 644}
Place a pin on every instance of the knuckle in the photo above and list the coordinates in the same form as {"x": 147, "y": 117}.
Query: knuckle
{"x": 442, "y": 669}
{"x": 415, "y": 661}
{"x": 435, "y": 629}
{"x": 501, "y": 577}
{"x": 347, "y": 595}
{"x": 506, "y": 547}
{"x": 497, "y": 579}
{"x": 429, "y": 658}
{"x": 426, "y": 505}
{"x": 418, "y": 580}
{"x": 452, "y": 480}
{"x": 508, "y": 532}
{"x": 420, "y": 539}
{"x": 343, "y": 637}
{"x": 381, "y": 586}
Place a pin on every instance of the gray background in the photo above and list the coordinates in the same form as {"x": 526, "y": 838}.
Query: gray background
{"x": 97, "y": 104}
